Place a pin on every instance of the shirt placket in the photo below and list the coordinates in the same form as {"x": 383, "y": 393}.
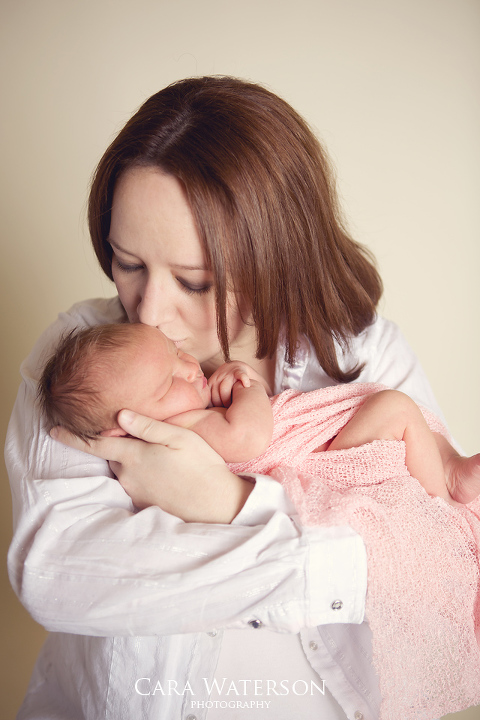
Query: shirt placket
{"x": 289, "y": 376}
{"x": 203, "y": 662}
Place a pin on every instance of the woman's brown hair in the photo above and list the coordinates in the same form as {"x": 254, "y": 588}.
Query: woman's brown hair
{"x": 262, "y": 194}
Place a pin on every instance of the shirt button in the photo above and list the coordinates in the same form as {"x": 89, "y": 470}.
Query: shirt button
{"x": 358, "y": 715}
{"x": 337, "y": 605}
{"x": 313, "y": 646}
{"x": 212, "y": 633}
{"x": 255, "y": 624}
{"x": 191, "y": 717}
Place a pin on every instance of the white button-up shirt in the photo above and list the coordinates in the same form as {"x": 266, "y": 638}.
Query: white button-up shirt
{"x": 138, "y": 602}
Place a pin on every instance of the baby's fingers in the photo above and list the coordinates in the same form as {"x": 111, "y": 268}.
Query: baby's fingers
{"x": 221, "y": 390}
{"x": 225, "y": 389}
{"x": 242, "y": 377}
{"x": 214, "y": 393}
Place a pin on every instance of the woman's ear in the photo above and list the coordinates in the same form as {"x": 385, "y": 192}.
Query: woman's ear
{"x": 114, "y": 432}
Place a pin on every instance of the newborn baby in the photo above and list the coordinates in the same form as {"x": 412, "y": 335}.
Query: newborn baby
{"x": 98, "y": 371}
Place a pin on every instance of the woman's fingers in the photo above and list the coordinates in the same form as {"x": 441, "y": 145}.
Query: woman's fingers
{"x": 117, "y": 448}
{"x": 177, "y": 470}
{"x": 165, "y": 465}
{"x": 105, "y": 448}
{"x": 149, "y": 430}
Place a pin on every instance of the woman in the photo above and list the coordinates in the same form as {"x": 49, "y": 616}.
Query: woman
{"x": 214, "y": 213}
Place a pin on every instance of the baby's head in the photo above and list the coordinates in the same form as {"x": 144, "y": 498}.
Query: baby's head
{"x": 96, "y": 372}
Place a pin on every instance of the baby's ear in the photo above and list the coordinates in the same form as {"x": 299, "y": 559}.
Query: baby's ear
{"x": 114, "y": 432}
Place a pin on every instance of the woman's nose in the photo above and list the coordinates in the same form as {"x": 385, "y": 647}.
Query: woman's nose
{"x": 154, "y": 307}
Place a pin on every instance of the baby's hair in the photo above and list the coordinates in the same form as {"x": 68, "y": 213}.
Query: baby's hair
{"x": 70, "y": 387}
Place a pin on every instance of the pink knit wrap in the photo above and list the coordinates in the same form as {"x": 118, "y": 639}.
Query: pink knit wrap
{"x": 423, "y": 554}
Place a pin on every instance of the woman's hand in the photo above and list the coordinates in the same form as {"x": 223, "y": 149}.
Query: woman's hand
{"x": 170, "y": 467}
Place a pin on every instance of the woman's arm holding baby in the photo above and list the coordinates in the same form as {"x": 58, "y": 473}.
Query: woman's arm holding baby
{"x": 243, "y": 429}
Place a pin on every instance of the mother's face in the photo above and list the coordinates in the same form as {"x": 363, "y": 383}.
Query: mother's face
{"x": 159, "y": 266}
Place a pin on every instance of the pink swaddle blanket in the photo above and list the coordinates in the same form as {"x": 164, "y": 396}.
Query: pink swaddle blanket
{"x": 423, "y": 554}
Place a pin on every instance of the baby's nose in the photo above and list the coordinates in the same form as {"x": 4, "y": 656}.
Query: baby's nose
{"x": 191, "y": 368}
{"x": 191, "y": 372}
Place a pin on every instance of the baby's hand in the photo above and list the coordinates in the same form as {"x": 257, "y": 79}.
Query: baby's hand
{"x": 224, "y": 378}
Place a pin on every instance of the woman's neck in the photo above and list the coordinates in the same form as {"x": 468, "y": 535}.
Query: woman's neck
{"x": 243, "y": 349}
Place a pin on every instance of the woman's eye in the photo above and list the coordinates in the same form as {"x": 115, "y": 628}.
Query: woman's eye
{"x": 192, "y": 289}
{"x": 127, "y": 268}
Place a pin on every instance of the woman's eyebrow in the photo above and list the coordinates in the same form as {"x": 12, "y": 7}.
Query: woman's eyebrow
{"x": 118, "y": 247}
{"x": 188, "y": 267}
{"x": 175, "y": 266}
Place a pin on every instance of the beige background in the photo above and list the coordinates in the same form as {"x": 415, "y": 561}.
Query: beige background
{"x": 391, "y": 87}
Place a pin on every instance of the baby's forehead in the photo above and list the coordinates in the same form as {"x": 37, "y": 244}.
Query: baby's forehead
{"x": 148, "y": 345}
{"x": 141, "y": 354}
{"x": 151, "y": 337}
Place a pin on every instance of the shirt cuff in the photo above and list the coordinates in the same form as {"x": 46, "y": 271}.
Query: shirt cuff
{"x": 337, "y": 575}
{"x": 266, "y": 498}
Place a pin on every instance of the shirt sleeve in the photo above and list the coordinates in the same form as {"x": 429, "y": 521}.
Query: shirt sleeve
{"x": 389, "y": 359}
{"x": 83, "y": 561}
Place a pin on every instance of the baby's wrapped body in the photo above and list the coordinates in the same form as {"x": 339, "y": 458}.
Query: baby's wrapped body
{"x": 424, "y": 611}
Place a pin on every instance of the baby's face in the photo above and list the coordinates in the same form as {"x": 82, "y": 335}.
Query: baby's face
{"x": 157, "y": 379}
